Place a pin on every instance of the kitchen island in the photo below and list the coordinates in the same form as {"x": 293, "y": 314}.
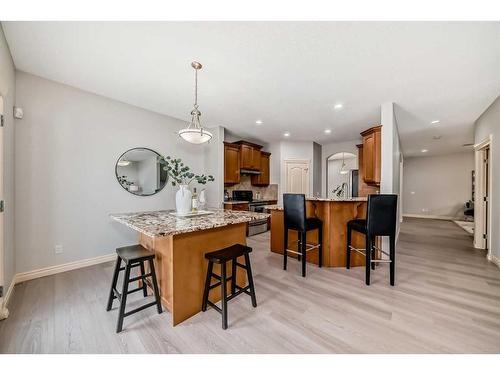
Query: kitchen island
{"x": 180, "y": 245}
{"x": 335, "y": 213}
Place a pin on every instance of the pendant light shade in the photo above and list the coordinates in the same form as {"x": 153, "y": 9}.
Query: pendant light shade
{"x": 195, "y": 133}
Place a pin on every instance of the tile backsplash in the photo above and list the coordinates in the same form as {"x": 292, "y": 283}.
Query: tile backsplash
{"x": 266, "y": 192}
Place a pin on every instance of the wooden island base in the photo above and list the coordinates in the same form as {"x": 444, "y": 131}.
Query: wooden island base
{"x": 181, "y": 266}
{"x": 335, "y": 215}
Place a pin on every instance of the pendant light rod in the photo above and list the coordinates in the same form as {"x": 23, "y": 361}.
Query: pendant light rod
{"x": 195, "y": 133}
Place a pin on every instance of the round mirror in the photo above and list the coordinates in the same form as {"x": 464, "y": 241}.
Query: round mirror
{"x": 139, "y": 172}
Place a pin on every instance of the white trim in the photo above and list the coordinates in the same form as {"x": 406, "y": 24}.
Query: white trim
{"x": 52, "y": 270}
{"x": 435, "y": 217}
{"x": 4, "y": 313}
{"x": 485, "y": 142}
{"x": 479, "y": 243}
{"x": 35, "y": 274}
{"x": 493, "y": 259}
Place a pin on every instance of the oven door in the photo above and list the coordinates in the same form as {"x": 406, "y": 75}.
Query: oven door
{"x": 257, "y": 226}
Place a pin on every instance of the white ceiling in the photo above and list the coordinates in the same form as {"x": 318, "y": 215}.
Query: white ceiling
{"x": 287, "y": 74}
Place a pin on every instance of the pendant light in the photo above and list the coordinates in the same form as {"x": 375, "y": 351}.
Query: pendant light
{"x": 195, "y": 133}
{"x": 343, "y": 170}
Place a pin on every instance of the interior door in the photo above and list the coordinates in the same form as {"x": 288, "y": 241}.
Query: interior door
{"x": 2, "y": 311}
{"x": 486, "y": 195}
{"x": 297, "y": 177}
{"x": 482, "y": 198}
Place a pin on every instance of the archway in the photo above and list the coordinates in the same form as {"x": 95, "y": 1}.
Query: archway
{"x": 341, "y": 170}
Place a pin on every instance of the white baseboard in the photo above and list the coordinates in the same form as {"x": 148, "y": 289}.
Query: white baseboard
{"x": 494, "y": 259}
{"x": 435, "y": 217}
{"x": 35, "y": 274}
{"x": 8, "y": 294}
{"x": 4, "y": 312}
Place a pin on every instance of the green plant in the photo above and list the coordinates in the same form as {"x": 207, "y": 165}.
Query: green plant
{"x": 181, "y": 174}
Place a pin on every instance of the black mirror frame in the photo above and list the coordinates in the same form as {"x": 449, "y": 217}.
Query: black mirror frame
{"x": 123, "y": 187}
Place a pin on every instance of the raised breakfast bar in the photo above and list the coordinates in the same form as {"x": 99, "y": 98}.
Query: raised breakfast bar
{"x": 334, "y": 213}
{"x": 180, "y": 245}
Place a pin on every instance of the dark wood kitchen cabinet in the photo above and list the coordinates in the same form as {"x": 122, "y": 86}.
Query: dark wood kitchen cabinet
{"x": 372, "y": 155}
{"x": 263, "y": 179}
{"x": 249, "y": 155}
{"x": 236, "y": 207}
{"x": 231, "y": 163}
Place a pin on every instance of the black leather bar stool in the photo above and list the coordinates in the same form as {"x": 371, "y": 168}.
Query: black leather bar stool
{"x": 381, "y": 218}
{"x": 221, "y": 257}
{"x": 133, "y": 256}
{"x": 295, "y": 219}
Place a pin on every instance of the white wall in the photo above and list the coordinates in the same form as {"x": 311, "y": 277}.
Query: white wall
{"x": 330, "y": 149}
{"x": 489, "y": 124}
{"x": 335, "y": 178}
{"x": 296, "y": 151}
{"x": 213, "y": 158}
{"x": 317, "y": 163}
{"x": 8, "y": 92}
{"x": 437, "y": 185}
{"x": 67, "y": 145}
{"x": 275, "y": 163}
{"x": 391, "y": 156}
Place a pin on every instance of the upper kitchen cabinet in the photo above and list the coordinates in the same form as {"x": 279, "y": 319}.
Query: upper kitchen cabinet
{"x": 372, "y": 155}
{"x": 249, "y": 155}
{"x": 231, "y": 163}
{"x": 263, "y": 179}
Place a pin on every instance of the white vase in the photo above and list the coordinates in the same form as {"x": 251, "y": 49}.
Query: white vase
{"x": 183, "y": 200}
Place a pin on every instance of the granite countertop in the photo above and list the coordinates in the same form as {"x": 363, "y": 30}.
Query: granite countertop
{"x": 354, "y": 199}
{"x": 161, "y": 223}
{"x": 315, "y": 199}
{"x": 236, "y": 202}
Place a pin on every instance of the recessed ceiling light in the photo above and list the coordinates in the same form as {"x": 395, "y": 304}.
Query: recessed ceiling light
{"x": 286, "y": 134}
{"x": 338, "y": 106}
{"x": 328, "y": 131}
{"x": 258, "y": 122}
{"x": 435, "y": 122}
{"x": 425, "y": 150}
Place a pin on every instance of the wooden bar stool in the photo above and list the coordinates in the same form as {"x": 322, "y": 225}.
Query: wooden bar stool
{"x": 221, "y": 257}
{"x": 381, "y": 219}
{"x": 295, "y": 219}
{"x": 133, "y": 256}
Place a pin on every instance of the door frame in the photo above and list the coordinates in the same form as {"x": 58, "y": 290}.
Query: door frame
{"x": 286, "y": 162}
{"x": 3, "y": 310}
{"x": 480, "y": 188}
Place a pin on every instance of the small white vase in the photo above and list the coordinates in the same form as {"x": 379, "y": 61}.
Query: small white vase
{"x": 183, "y": 200}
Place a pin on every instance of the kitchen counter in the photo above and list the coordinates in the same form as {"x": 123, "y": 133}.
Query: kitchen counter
{"x": 334, "y": 213}
{"x": 161, "y": 223}
{"x": 180, "y": 245}
{"x": 314, "y": 199}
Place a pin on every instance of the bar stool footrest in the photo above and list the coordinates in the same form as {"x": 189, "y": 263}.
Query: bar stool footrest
{"x": 139, "y": 308}
{"x": 214, "y": 306}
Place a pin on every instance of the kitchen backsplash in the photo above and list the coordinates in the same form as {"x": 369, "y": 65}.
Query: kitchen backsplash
{"x": 266, "y": 192}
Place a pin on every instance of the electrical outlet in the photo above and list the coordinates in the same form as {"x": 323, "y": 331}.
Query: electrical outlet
{"x": 58, "y": 249}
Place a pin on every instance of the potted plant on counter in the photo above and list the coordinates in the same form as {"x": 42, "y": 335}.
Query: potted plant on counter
{"x": 181, "y": 175}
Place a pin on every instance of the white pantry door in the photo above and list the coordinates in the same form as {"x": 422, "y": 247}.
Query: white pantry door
{"x": 297, "y": 176}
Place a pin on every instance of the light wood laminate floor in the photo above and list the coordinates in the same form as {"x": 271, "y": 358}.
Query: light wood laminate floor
{"x": 446, "y": 300}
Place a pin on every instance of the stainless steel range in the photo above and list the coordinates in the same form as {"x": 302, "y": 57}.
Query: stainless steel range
{"x": 255, "y": 226}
